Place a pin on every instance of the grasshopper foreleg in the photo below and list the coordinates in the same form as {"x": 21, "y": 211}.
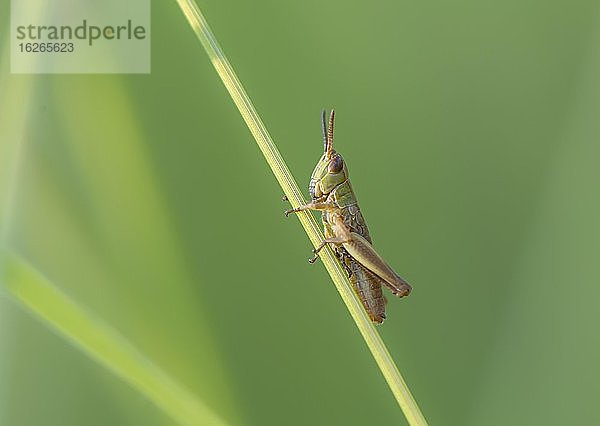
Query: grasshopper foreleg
{"x": 313, "y": 205}
{"x": 330, "y": 207}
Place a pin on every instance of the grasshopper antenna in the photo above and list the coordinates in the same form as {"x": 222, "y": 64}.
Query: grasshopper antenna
{"x": 329, "y": 141}
{"x": 324, "y": 126}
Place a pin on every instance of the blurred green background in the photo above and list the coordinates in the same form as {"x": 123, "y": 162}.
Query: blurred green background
{"x": 471, "y": 131}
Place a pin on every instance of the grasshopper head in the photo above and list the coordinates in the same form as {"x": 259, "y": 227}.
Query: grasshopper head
{"x": 331, "y": 170}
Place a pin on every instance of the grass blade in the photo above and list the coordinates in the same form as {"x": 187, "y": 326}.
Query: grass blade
{"x": 101, "y": 343}
{"x": 290, "y": 188}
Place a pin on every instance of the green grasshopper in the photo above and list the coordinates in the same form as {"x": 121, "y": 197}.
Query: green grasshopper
{"x": 346, "y": 230}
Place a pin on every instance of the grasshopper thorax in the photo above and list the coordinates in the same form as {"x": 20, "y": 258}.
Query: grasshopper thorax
{"x": 331, "y": 170}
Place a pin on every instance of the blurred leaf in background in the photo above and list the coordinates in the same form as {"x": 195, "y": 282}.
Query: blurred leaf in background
{"x": 471, "y": 135}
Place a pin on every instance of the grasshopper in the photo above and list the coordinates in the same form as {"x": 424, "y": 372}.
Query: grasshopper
{"x": 346, "y": 230}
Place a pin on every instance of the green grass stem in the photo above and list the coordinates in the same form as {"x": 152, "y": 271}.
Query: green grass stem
{"x": 290, "y": 188}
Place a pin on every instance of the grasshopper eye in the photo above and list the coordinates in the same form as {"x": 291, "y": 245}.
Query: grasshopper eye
{"x": 336, "y": 165}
